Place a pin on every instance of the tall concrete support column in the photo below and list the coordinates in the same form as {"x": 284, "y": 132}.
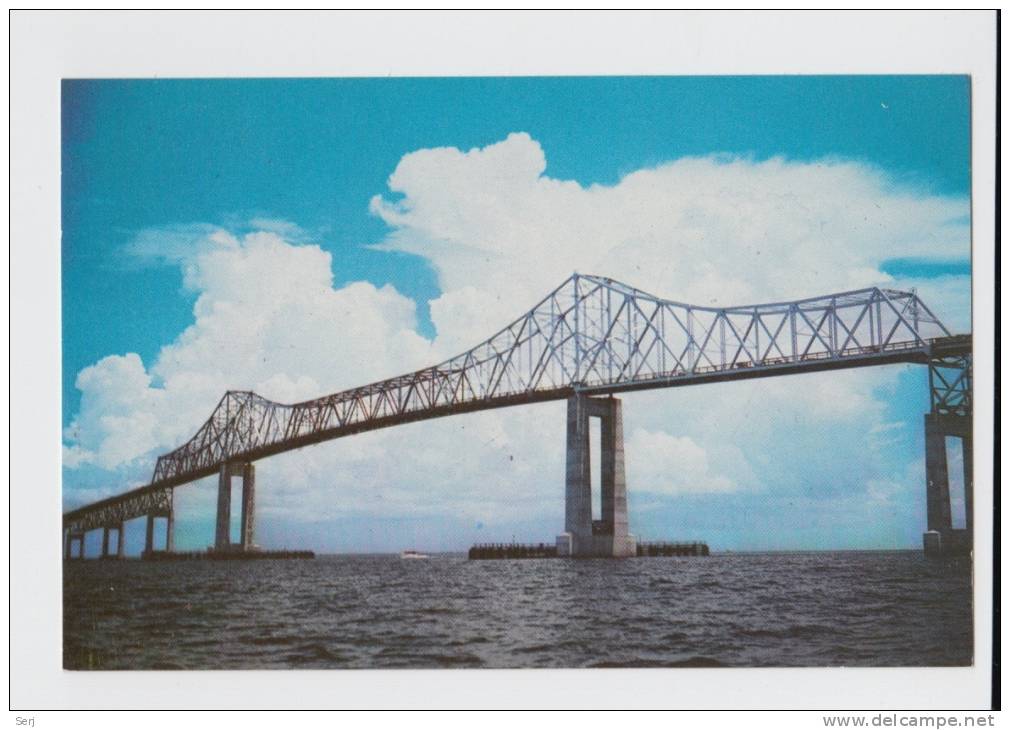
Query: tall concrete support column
{"x": 222, "y": 535}
{"x": 121, "y": 541}
{"x": 149, "y": 537}
{"x": 937, "y": 483}
{"x": 72, "y": 539}
{"x": 941, "y": 536}
{"x": 105, "y": 541}
{"x": 608, "y": 536}
{"x": 613, "y": 484}
{"x": 68, "y": 544}
{"x": 950, "y": 415}
{"x": 78, "y": 539}
{"x": 578, "y": 483}
{"x": 248, "y": 506}
{"x": 967, "y": 454}
{"x": 170, "y": 524}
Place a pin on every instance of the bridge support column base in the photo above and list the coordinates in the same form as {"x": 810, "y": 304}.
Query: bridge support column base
{"x": 248, "y": 507}
{"x": 170, "y": 531}
{"x": 222, "y": 532}
{"x": 247, "y": 530}
{"x": 611, "y": 546}
{"x": 599, "y": 546}
{"x": 74, "y": 537}
{"x": 583, "y": 536}
{"x": 946, "y": 543}
{"x": 169, "y": 515}
{"x": 564, "y": 545}
{"x": 107, "y": 554}
{"x": 941, "y": 537}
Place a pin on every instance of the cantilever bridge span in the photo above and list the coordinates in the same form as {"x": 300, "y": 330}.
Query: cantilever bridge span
{"x": 590, "y": 337}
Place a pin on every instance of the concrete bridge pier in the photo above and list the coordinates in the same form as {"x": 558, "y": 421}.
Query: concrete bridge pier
{"x": 169, "y": 514}
{"x": 950, "y": 415}
{"x": 248, "y": 524}
{"x": 583, "y": 536}
{"x": 120, "y": 542}
{"x": 74, "y": 537}
{"x": 247, "y": 530}
{"x": 941, "y": 537}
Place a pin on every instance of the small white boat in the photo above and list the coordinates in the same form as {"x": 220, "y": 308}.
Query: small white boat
{"x": 412, "y": 555}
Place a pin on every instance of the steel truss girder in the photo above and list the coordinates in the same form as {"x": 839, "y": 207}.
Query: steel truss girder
{"x": 112, "y": 513}
{"x": 590, "y": 333}
{"x": 950, "y": 382}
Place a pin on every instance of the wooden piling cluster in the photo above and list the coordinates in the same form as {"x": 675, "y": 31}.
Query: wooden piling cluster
{"x": 671, "y": 549}
{"x": 230, "y": 555}
{"x": 500, "y": 551}
{"x": 512, "y": 551}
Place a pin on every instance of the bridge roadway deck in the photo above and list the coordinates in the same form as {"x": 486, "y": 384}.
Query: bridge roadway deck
{"x": 910, "y": 352}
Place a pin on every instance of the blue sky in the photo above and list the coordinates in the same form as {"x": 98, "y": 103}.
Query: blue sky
{"x": 152, "y": 167}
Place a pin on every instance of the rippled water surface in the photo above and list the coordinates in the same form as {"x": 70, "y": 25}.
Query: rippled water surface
{"x": 770, "y": 609}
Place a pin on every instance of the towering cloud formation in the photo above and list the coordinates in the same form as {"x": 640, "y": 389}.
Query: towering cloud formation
{"x": 704, "y": 230}
{"x": 266, "y": 318}
{"x": 500, "y": 233}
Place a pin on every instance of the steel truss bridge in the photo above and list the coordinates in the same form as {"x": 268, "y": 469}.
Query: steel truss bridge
{"x": 591, "y": 335}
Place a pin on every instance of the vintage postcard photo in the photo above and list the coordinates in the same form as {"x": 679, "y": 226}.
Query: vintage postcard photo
{"x": 400, "y": 364}
{"x": 517, "y": 372}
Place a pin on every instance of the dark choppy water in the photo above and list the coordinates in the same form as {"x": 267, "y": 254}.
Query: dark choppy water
{"x": 772, "y": 609}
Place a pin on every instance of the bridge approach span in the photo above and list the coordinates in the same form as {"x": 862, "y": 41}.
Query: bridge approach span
{"x": 590, "y": 335}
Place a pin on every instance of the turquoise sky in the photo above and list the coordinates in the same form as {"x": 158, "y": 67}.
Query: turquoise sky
{"x": 143, "y": 154}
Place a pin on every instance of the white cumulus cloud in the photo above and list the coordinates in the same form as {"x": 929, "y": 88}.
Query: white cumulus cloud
{"x": 266, "y": 318}
{"x": 663, "y": 464}
{"x": 703, "y": 230}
